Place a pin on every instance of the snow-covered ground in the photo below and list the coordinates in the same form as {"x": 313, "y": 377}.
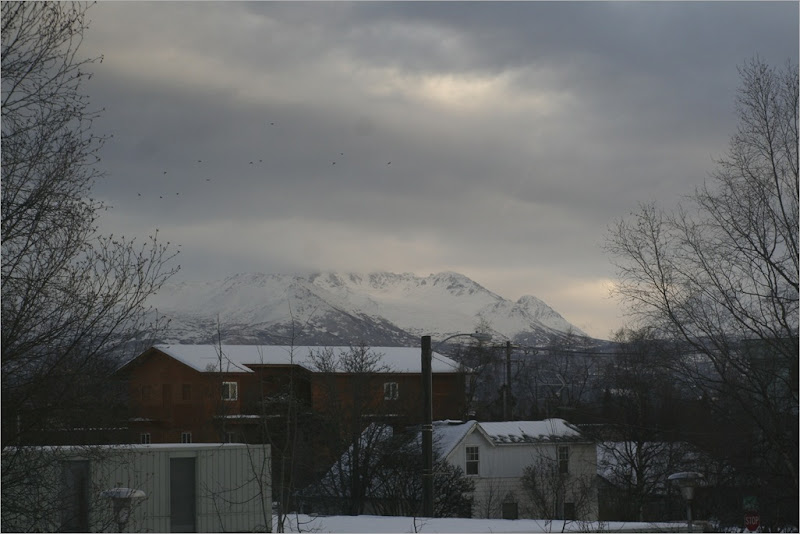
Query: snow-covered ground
{"x": 371, "y": 523}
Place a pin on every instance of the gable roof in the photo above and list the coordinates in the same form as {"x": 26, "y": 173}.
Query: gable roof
{"x": 447, "y": 435}
{"x": 240, "y": 358}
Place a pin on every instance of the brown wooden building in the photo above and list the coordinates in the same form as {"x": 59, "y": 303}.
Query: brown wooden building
{"x": 197, "y": 393}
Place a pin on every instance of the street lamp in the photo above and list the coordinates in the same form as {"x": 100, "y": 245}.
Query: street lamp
{"x": 122, "y": 498}
{"x": 687, "y": 481}
{"x": 427, "y": 417}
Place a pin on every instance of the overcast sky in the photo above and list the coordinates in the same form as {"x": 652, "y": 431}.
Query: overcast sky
{"x": 497, "y": 140}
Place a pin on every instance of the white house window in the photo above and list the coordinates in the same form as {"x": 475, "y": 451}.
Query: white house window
{"x": 144, "y": 438}
{"x": 186, "y": 437}
{"x": 390, "y": 391}
{"x": 230, "y": 391}
{"x": 473, "y": 460}
{"x": 563, "y": 459}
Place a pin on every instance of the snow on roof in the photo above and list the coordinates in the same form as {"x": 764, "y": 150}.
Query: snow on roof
{"x": 447, "y": 434}
{"x": 530, "y": 431}
{"x": 238, "y": 358}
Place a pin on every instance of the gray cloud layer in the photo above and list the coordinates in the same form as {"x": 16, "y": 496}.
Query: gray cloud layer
{"x": 494, "y": 139}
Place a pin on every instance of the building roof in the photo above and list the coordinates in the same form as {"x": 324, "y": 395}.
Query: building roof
{"x": 530, "y": 431}
{"x": 240, "y": 358}
{"x": 448, "y": 434}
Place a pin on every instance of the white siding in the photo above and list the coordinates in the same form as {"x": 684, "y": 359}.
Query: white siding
{"x": 229, "y": 481}
{"x": 501, "y": 468}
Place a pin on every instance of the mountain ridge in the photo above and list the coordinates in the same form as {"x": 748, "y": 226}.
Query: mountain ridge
{"x": 323, "y": 308}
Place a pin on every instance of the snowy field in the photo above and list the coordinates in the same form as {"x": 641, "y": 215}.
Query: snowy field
{"x": 369, "y": 523}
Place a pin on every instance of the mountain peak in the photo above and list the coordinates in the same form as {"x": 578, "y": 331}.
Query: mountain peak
{"x": 379, "y": 308}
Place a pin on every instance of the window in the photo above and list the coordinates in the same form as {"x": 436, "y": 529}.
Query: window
{"x": 230, "y": 391}
{"x": 569, "y": 511}
{"x": 563, "y": 459}
{"x": 144, "y": 438}
{"x": 186, "y": 392}
{"x": 473, "y": 460}
{"x": 186, "y": 437}
{"x": 390, "y": 391}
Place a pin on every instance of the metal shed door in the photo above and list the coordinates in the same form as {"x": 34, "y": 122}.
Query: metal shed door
{"x": 181, "y": 495}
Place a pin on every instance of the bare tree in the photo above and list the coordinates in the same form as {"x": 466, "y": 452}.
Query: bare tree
{"x": 721, "y": 273}
{"x": 398, "y": 481}
{"x": 483, "y": 373}
{"x": 554, "y": 493}
{"x": 391, "y": 477}
{"x": 349, "y": 400}
{"x": 71, "y": 297}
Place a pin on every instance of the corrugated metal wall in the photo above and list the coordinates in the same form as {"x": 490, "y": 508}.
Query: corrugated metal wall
{"x": 232, "y": 485}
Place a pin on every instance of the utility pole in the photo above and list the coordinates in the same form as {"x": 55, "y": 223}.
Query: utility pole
{"x": 427, "y": 428}
{"x": 427, "y": 416}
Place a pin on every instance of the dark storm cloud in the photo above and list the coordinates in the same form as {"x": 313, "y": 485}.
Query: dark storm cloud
{"x": 494, "y": 139}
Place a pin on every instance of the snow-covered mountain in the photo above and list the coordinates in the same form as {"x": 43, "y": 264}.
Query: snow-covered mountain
{"x": 380, "y": 309}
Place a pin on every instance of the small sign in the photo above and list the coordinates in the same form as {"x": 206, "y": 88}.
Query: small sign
{"x": 750, "y": 503}
{"x": 752, "y": 521}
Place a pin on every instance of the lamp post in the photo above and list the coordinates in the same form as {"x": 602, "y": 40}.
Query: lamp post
{"x": 122, "y": 498}
{"x": 687, "y": 481}
{"x": 427, "y": 417}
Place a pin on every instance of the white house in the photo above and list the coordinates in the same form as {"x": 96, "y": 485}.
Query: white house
{"x": 559, "y": 463}
{"x": 562, "y": 467}
{"x": 199, "y": 487}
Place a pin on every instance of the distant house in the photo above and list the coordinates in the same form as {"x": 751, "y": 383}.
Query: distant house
{"x": 195, "y": 393}
{"x": 494, "y": 456}
{"x": 211, "y": 487}
{"x": 562, "y": 463}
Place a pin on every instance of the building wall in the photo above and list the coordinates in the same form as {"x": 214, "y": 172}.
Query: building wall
{"x": 501, "y": 468}
{"x": 232, "y": 491}
{"x": 338, "y": 389}
{"x": 168, "y": 398}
